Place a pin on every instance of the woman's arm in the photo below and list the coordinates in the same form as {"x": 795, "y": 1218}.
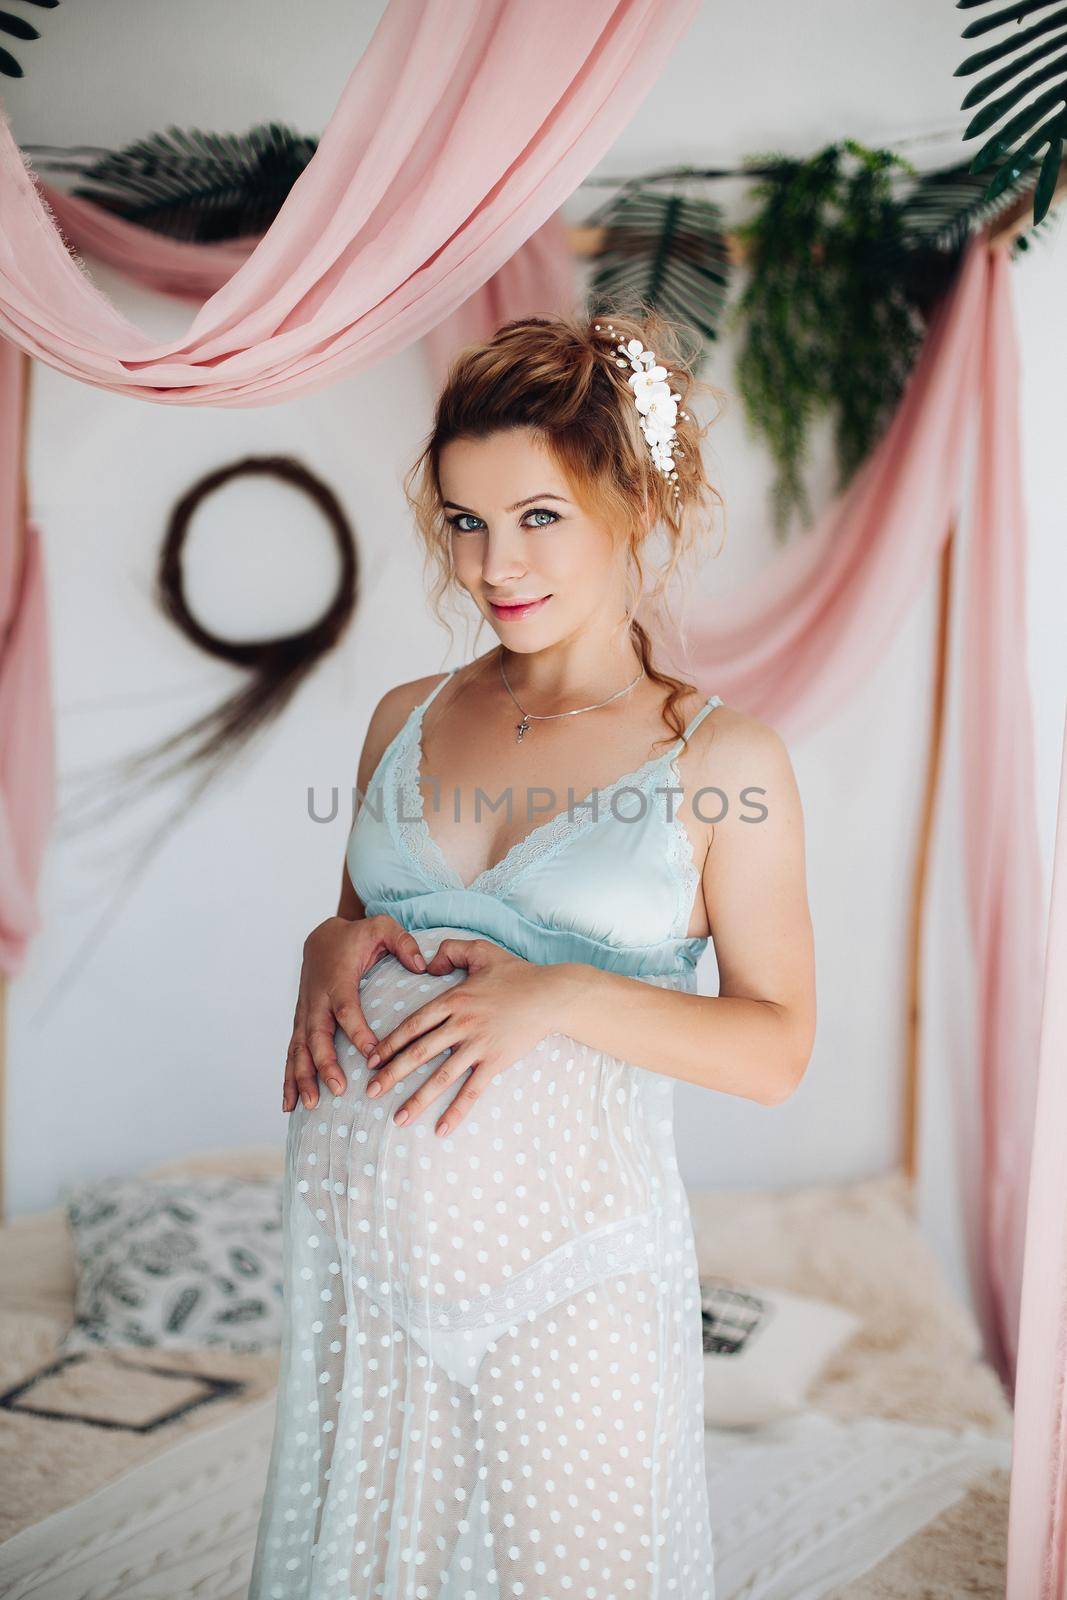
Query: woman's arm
{"x": 755, "y": 1037}
{"x": 339, "y": 951}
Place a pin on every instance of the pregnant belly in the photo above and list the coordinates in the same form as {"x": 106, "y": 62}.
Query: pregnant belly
{"x": 551, "y": 1175}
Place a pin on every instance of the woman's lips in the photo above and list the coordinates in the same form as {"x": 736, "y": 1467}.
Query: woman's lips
{"x": 512, "y": 613}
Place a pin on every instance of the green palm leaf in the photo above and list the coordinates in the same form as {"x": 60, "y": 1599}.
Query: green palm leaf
{"x": 1029, "y": 71}
{"x": 945, "y": 208}
{"x": 200, "y": 186}
{"x": 937, "y": 216}
{"x": 19, "y": 28}
{"x": 666, "y": 250}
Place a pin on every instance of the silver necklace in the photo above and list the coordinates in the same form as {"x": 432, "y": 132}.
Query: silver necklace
{"x": 529, "y": 716}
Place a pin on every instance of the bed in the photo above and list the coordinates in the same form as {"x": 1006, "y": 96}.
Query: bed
{"x": 138, "y": 1473}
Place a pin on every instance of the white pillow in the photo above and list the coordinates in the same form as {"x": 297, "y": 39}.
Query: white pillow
{"x": 176, "y": 1263}
{"x": 763, "y": 1348}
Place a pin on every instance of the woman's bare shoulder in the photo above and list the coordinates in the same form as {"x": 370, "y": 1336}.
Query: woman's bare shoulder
{"x": 397, "y": 703}
{"x": 389, "y": 716}
{"x": 730, "y": 741}
{"x": 396, "y": 706}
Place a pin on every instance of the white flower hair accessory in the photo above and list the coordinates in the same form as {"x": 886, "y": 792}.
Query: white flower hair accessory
{"x": 656, "y": 403}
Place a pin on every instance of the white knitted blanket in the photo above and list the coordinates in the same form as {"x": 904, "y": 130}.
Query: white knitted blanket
{"x": 798, "y": 1508}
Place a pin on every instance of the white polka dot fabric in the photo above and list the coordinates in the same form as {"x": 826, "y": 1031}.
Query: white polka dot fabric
{"x": 492, "y": 1375}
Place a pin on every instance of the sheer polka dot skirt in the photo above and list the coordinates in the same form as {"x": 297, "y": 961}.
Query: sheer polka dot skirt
{"x": 491, "y": 1374}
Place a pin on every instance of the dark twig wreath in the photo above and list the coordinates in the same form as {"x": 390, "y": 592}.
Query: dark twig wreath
{"x": 279, "y": 665}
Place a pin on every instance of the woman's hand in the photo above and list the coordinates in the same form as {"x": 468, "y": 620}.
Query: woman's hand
{"x": 502, "y": 1008}
{"x": 336, "y": 955}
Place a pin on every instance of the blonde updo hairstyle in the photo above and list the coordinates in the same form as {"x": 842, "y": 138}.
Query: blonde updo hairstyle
{"x": 567, "y": 382}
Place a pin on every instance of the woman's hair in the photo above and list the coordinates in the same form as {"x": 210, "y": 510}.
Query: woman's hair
{"x": 562, "y": 379}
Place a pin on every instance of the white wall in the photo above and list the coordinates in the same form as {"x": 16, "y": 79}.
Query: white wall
{"x": 170, "y": 1034}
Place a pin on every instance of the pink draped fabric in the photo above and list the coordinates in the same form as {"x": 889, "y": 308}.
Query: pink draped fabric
{"x": 178, "y": 267}
{"x": 538, "y": 280}
{"x": 460, "y": 132}
{"x": 1037, "y": 1513}
{"x": 792, "y": 647}
{"x": 788, "y": 646}
{"x": 999, "y": 804}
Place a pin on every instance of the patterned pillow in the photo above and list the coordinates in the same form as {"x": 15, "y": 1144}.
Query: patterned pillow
{"x": 176, "y": 1263}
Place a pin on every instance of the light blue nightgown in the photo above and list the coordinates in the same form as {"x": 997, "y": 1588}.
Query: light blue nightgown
{"x": 491, "y": 1382}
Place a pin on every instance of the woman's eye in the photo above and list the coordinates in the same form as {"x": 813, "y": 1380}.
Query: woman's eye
{"x": 463, "y": 517}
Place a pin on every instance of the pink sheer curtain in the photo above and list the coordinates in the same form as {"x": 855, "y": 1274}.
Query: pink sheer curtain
{"x": 1037, "y": 1514}
{"x": 791, "y": 648}
{"x": 999, "y": 808}
{"x": 187, "y": 270}
{"x": 460, "y": 132}
{"x": 789, "y": 645}
{"x": 538, "y": 280}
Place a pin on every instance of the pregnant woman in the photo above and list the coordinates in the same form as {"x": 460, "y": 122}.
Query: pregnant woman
{"x": 491, "y": 1375}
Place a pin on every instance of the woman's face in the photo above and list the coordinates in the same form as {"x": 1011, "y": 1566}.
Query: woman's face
{"x": 536, "y": 565}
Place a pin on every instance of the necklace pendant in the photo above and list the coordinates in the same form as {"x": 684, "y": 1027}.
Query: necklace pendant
{"x": 522, "y": 727}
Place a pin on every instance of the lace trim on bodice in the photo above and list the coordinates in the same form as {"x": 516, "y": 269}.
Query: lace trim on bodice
{"x": 413, "y": 834}
{"x": 680, "y": 856}
{"x": 546, "y": 839}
